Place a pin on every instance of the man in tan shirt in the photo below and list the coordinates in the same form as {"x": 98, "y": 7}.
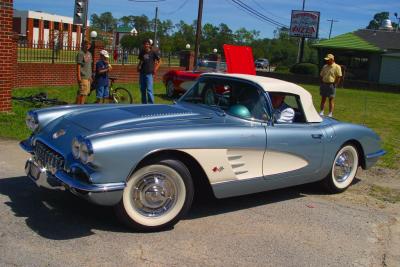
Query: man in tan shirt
{"x": 331, "y": 74}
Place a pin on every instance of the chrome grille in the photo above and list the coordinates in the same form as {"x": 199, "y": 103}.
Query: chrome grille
{"x": 47, "y": 157}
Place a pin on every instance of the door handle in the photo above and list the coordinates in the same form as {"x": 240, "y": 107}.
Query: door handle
{"x": 317, "y": 136}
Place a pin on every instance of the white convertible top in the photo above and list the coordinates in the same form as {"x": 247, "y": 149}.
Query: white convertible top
{"x": 276, "y": 85}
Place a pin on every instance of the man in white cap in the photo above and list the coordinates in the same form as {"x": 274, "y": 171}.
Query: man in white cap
{"x": 330, "y": 74}
{"x": 101, "y": 80}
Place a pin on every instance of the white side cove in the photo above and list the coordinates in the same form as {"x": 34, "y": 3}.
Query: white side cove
{"x": 221, "y": 165}
{"x": 279, "y": 162}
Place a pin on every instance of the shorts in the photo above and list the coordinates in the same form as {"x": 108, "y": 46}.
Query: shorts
{"x": 102, "y": 92}
{"x": 327, "y": 90}
{"x": 84, "y": 87}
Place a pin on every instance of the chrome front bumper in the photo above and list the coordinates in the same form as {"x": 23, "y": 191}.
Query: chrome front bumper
{"x": 103, "y": 194}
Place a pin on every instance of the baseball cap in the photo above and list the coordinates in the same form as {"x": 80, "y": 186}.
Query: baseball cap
{"x": 329, "y": 56}
{"x": 104, "y": 53}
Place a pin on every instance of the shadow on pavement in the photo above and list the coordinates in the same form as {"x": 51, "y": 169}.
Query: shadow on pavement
{"x": 60, "y": 215}
{"x": 55, "y": 214}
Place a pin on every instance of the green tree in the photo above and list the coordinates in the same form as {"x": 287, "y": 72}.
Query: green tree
{"x": 105, "y": 22}
{"x": 376, "y": 22}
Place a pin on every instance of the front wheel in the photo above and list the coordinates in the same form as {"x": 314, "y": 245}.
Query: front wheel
{"x": 344, "y": 169}
{"x": 121, "y": 96}
{"x": 156, "y": 196}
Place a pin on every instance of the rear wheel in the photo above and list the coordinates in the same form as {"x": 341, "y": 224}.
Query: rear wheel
{"x": 121, "y": 96}
{"x": 156, "y": 196}
{"x": 344, "y": 169}
{"x": 170, "y": 89}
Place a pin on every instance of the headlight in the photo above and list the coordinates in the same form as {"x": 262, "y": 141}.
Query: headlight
{"x": 32, "y": 121}
{"x": 75, "y": 148}
{"x": 82, "y": 149}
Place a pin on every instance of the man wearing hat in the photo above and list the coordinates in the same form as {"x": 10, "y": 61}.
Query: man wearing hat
{"x": 331, "y": 74}
{"x": 102, "y": 82}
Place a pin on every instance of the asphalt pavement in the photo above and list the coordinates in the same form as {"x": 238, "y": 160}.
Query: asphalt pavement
{"x": 299, "y": 226}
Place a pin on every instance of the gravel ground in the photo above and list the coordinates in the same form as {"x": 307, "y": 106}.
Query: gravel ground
{"x": 299, "y": 226}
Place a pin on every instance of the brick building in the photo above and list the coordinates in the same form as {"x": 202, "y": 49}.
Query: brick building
{"x": 8, "y": 57}
{"x": 39, "y": 29}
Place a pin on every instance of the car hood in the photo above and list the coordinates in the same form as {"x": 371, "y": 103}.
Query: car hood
{"x": 131, "y": 116}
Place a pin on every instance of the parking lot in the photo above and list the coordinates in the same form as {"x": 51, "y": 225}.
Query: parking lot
{"x": 298, "y": 226}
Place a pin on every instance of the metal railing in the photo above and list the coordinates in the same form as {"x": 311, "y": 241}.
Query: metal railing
{"x": 53, "y": 52}
{"x": 46, "y": 52}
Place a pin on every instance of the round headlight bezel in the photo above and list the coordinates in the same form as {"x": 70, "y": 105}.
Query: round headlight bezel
{"x": 32, "y": 121}
{"x": 82, "y": 149}
{"x": 76, "y": 148}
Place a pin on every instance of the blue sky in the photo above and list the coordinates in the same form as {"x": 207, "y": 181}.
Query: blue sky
{"x": 351, "y": 15}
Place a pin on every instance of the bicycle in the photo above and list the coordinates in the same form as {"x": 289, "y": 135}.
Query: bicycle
{"x": 40, "y": 99}
{"x": 118, "y": 95}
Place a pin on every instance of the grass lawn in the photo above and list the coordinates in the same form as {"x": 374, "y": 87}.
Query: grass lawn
{"x": 376, "y": 110}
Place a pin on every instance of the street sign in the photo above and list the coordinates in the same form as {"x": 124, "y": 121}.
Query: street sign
{"x": 304, "y": 24}
{"x": 80, "y": 12}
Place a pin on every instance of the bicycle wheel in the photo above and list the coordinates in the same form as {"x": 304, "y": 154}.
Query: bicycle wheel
{"x": 121, "y": 96}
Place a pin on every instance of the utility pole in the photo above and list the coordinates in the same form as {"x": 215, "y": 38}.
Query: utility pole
{"x": 301, "y": 44}
{"x": 198, "y": 32}
{"x": 330, "y": 30}
{"x": 155, "y": 28}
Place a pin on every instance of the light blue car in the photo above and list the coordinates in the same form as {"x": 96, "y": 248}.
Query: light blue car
{"x": 149, "y": 161}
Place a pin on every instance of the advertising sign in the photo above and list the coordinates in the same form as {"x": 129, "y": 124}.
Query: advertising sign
{"x": 304, "y": 24}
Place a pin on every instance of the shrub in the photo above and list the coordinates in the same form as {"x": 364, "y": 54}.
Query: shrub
{"x": 282, "y": 69}
{"x": 305, "y": 68}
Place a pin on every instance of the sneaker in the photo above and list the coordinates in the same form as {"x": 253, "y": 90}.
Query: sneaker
{"x": 330, "y": 115}
{"x": 321, "y": 113}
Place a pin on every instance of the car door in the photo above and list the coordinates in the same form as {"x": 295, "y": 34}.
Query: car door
{"x": 293, "y": 149}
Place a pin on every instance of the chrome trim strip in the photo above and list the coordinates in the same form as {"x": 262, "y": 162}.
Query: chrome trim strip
{"x": 380, "y": 153}
{"x": 95, "y": 188}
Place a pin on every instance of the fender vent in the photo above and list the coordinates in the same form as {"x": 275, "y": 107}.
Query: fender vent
{"x": 237, "y": 164}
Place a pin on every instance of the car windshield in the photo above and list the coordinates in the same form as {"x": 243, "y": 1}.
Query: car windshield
{"x": 237, "y": 98}
{"x": 211, "y": 66}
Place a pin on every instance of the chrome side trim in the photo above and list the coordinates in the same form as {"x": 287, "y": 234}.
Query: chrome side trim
{"x": 95, "y": 188}
{"x": 377, "y": 154}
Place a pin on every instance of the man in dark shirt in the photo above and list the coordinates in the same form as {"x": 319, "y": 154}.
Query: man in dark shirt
{"x": 149, "y": 62}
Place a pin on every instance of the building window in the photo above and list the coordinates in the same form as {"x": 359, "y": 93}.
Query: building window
{"x": 46, "y": 24}
{"x": 56, "y": 25}
{"x": 35, "y": 23}
{"x": 74, "y": 28}
{"x": 65, "y": 27}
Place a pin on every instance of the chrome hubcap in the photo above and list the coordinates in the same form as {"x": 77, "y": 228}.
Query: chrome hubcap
{"x": 154, "y": 194}
{"x": 343, "y": 167}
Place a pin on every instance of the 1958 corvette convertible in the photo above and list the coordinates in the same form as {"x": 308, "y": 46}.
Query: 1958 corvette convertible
{"x": 147, "y": 160}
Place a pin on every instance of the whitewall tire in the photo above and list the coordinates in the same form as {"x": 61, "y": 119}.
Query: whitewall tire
{"x": 344, "y": 169}
{"x": 156, "y": 196}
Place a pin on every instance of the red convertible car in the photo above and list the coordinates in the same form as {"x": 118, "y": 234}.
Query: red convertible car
{"x": 239, "y": 60}
{"x": 179, "y": 81}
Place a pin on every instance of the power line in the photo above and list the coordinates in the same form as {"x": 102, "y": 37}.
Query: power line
{"x": 176, "y": 10}
{"x": 265, "y": 10}
{"x": 244, "y": 7}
